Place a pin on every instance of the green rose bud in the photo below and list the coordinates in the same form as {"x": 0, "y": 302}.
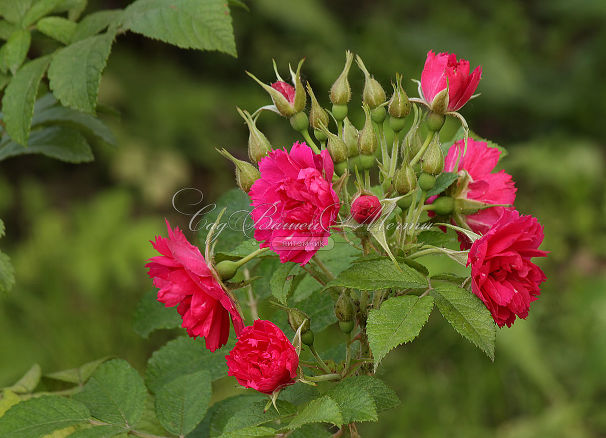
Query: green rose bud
{"x": 246, "y": 173}
{"x": 340, "y": 92}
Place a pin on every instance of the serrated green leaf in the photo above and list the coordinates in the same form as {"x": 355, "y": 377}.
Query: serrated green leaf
{"x": 19, "y": 98}
{"x": 115, "y": 393}
{"x": 28, "y": 382}
{"x": 149, "y": 421}
{"x": 96, "y": 22}
{"x": 98, "y": 432}
{"x": 319, "y": 306}
{"x": 242, "y": 250}
{"x": 281, "y": 281}
{"x": 58, "y": 28}
{"x": 74, "y": 8}
{"x": 189, "y": 24}
{"x": 438, "y": 238}
{"x": 77, "y": 375}
{"x": 354, "y": 400}
{"x": 311, "y": 431}
{"x": 443, "y": 181}
{"x": 384, "y": 397}
{"x": 88, "y": 124}
{"x": 75, "y": 71}
{"x": 254, "y": 416}
{"x": 379, "y": 274}
{"x": 152, "y": 315}
{"x": 56, "y": 142}
{"x": 182, "y": 403}
{"x": 225, "y": 409}
{"x": 39, "y": 416}
{"x": 397, "y": 321}
{"x": 40, "y": 9}
{"x": 320, "y": 410}
{"x": 468, "y": 316}
{"x": 14, "y": 51}
{"x": 7, "y": 274}
{"x": 181, "y": 356}
{"x": 251, "y": 431}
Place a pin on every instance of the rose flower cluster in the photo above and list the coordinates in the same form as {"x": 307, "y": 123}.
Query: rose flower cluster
{"x": 341, "y": 179}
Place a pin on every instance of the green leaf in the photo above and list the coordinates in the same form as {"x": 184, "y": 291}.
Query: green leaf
{"x": 397, "y": 321}
{"x": 58, "y": 28}
{"x": 55, "y": 142}
{"x": 468, "y": 315}
{"x": 355, "y": 402}
{"x": 2, "y": 229}
{"x": 251, "y": 431}
{"x": 281, "y": 281}
{"x": 28, "y": 382}
{"x": 77, "y": 375}
{"x": 226, "y": 409}
{"x": 115, "y": 393}
{"x": 254, "y": 415}
{"x": 98, "y": 432}
{"x": 384, "y": 397}
{"x": 311, "y": 431}
{"x": 189, "y": 24}
{"x": 149, "y": 420}
{"x": 7, "y": 274}
{"x": 75, "y": 71}
{"x": 39, "y": 416}
{"x": 88, "y": 124}
{"x": 14, "y": 51}
{"x": 438, "y": 238}
{"x": 19, "y": 98}
{"x": 379, "y": 274}
{"x": 182, "y": 403}
{"x": 8, "y": 399}
{"x": 151, "y": 315}
{"x": 443, "y": 181}
{"x": 320, "y": 410}
{"x": 96, "y": 22}
{"x": 319, "y": 306}
{"x": 14, "y": 10}
{"x": 40, "y": 9}
{"x": 181, "y": 356}
{"x": 6, "y": 29}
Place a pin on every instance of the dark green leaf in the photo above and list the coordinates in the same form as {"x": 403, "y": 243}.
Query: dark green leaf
{"x": 281, "y": 281}
{"x": 397, "y": 321}
{"x": 379, "y": 274}
{"x": 443, "y": 181}
{"x": 96, "y": 22}
{"x": 97, "y": 432}
{"x": 225, "y": 410}
{"x": 77, "y": 375}
{"x": 254, "y": 415}
{"x": 320, "y": 410}
{"x": 384, "y": 397}
{"x": 19, "y": 98}
{"x": 355, "y": 402}
{"x": 152, "y": 315}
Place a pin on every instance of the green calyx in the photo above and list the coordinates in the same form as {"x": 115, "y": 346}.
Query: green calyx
{"x": 258, "y": 144}
{"x": 246, "y": 173}
{"x": 340, "y": 92}
{"x": 373, "y": 94}
{"x": 367, "y": 140}
{"x": 399, "y": 105}
{"x": 317, "y": 115}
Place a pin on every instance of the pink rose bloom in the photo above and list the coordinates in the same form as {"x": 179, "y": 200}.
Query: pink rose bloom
{"x": 184, "y": 279}
{"x": 294, "y": 203}
{"x": 365, "y": 209}
{"x": 263, "y": 358}
{"x": 484, "y": 186}
{"x": 503, "y": 276}
{"x": 287, "y": 90}
{"x": 443, "y": 70}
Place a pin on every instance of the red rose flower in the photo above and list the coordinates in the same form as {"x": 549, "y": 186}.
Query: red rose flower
{"x": 443, "y": 70}
{"x": 263, "y": 358}
{"x": 365, "y": 209}
{"x": 287, "y": 90}
{"x": 294, "y": 203}
{"x": 503, "y": 276}
{"x": 185, "y": 280}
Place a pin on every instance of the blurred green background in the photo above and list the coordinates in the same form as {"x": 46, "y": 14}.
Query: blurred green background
{"x": 78, "y": 234}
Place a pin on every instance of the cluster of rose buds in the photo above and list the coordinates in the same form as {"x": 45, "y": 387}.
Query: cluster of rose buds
{"x": 348, "y": 178}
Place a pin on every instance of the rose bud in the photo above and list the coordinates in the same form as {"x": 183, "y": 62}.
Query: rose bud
{"x": 246, "y": 173}
{"x": 340, "y": 92}
{"x": 373, "y": 94}
{"x": 350, "y": 137}
{"x": 263, "y": 358}
{"x": 367, "y": 140}
{"x": 443, "y": 72}
{"x": 433, "y": 158}
{"x": 502, "y": 274}
{"x": 366, "y": 208}
{"x": 258, "y": 144}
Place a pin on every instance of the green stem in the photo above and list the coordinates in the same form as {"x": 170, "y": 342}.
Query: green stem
{"x": 251, "y": 256}
{"x": 314, "y": 275}
{"x": 323, "y": 377}
{"x": 422, "y": 150}
{"x": 309, "y": 141}
{"x": 319, "y": 360}
{"x": 323, "y": 267}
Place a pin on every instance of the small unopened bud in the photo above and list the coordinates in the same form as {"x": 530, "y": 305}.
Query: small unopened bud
{"x": 344, "y": 307}
{"x": 365, "y": 209}
{"x": 426, "y": 181}
{"x": 367, "y": 140}
{"x": 246, "y": 173}
{"x": 433, "y": 159}
{"x": 300, "y": 95}
{"x": 226, "y": 269}
{"x": 258, "y": 144}
{"x": 378, "y": 114}
{"x": 435, "y": 121}
{"x": 340, "y": 92}
{"x": 317, "y": 115}
{"x": 307, "y": 338}
{"x": 373, "y": 94}
{"x": 469, "y": 206}
{"x": 405, "y": 180}
{"x": 399, "y": 105}
{"x": 406, "y": 201}
{"x": 440, "y": 102}
{"x": 336, "y": 147}
{"x": 296, "y": 319}
{"x": 444, "y": 205}
{"x": 346, "y": 326}
{"x": 350, "y": 137}
{"x": 299, "y": 122}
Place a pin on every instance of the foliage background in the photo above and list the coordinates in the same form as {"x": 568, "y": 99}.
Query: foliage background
{"x": 77, "y": 234}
